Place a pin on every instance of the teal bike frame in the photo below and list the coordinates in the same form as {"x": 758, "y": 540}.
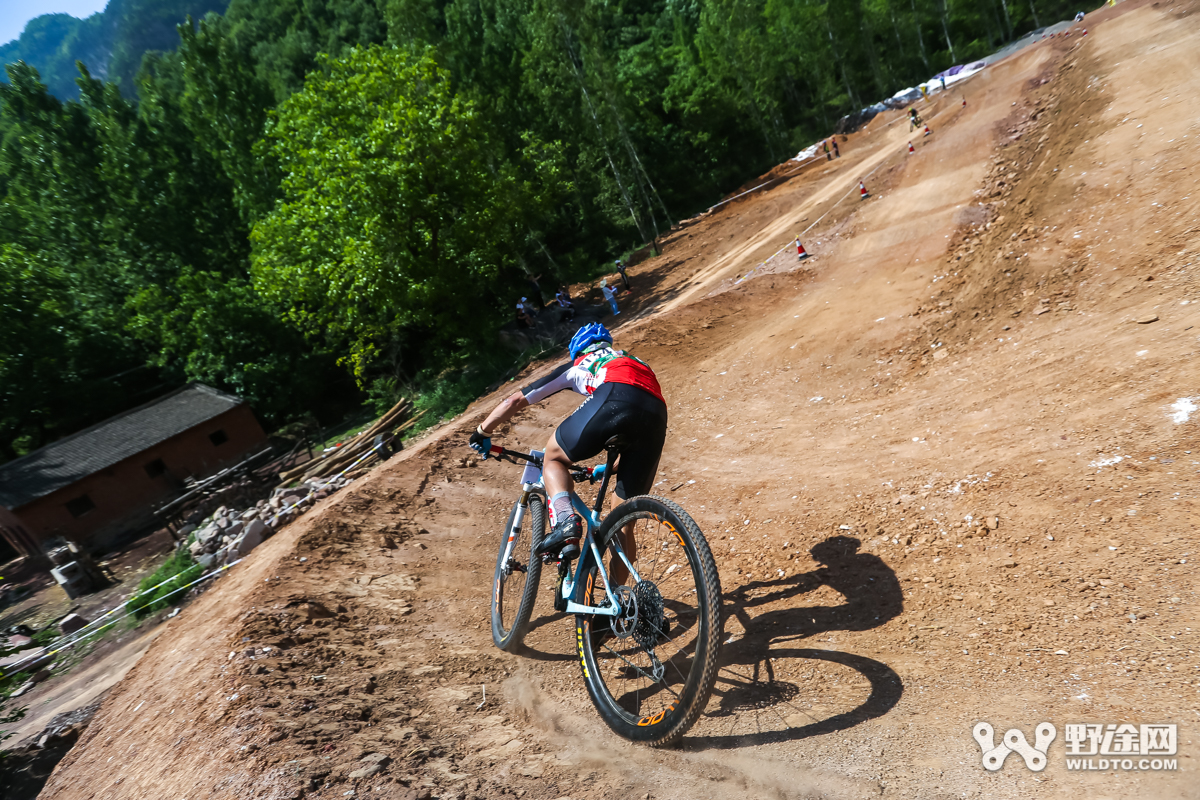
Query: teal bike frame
{"x": 572, "y": 594}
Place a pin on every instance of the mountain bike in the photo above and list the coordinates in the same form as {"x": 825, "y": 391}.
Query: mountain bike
{"x": 647, "y": 627}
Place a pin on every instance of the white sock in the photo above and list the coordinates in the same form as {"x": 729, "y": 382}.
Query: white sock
{"x": 560, "y": 504}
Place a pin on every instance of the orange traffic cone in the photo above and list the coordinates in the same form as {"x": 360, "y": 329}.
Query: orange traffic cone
{"x": 862, "y": 190}
{"x": 910, "y": 148}
{"x": 927, "y": 131}
{"x": 800, "y": 251}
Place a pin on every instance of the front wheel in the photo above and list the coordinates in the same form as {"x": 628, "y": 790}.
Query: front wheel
{"x": 518, "y": 570}
{"x": 651, "y": 670}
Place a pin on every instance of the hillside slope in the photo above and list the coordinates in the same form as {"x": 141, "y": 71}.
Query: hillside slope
{"x": 1005, "y": 332}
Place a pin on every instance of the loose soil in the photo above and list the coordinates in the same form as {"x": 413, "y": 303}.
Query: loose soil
{"x": 972, "y": 343}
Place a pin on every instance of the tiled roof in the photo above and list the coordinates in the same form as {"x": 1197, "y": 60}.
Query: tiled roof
{"x": 116, "y": 439}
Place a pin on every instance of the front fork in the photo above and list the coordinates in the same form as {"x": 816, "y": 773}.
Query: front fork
{"x": 515, "y": 530}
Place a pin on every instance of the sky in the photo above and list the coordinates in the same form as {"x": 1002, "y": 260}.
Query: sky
{"x": 15, "y": 13}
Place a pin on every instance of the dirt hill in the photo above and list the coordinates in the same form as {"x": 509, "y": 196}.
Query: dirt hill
{"x": 978, "y": 397}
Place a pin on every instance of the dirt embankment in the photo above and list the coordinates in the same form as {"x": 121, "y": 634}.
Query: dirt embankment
{"x": 947, "y": 467}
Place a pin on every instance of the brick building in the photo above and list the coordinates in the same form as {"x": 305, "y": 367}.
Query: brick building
{"x": 102, "y": 482}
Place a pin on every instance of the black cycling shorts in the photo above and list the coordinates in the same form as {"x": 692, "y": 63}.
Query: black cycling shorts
{"x": 618, "y": 408}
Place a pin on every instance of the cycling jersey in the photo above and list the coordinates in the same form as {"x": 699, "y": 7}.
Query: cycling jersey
{"x": 591, "y": 370}
{"x": 618, "y": 408}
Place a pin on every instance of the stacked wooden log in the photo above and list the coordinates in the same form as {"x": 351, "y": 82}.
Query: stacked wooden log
{"x": 389, "y": 426}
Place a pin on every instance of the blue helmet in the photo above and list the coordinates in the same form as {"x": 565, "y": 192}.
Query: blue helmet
{"x": 587, "y": 336}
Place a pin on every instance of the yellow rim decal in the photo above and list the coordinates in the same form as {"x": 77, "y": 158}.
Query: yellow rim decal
{"x": 579, "y": 631}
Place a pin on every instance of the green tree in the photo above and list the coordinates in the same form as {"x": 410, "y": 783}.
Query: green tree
{"x": 216, "y": 329}
{"x": 393, "y": 214}
{"x": 49, "y": 356}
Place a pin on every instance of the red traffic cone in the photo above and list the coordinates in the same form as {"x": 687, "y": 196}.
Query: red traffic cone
{"x": 800, "y": 251}
{"x": 1084, "y": 32}
{"x": 910, "y": 148}
{"x": 927, "y": 131}
{"x": 964, "y": 102}
{"x": 862, "y": 191}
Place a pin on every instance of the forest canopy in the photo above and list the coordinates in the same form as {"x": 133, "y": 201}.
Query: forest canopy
{"x": 303, "y": 200}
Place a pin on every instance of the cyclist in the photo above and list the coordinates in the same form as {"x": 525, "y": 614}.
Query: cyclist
{"x": 622, "y": 397}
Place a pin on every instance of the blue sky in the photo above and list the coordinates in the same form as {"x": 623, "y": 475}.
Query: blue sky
{"x": 15, "y": 13}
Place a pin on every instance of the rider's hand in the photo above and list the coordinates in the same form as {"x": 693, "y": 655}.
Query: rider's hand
{"x": 480, "y": 442}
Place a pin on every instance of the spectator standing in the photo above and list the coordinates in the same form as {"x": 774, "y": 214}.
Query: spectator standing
{"x": 836, "y": 152}
{"x": 563, "y": 296}
{"x": 610, "y": 294}
{"x": 624, "y": 278}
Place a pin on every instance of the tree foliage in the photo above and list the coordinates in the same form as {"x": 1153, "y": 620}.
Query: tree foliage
{"x": 250, "y": 197}
{"x": 393, "y": 215}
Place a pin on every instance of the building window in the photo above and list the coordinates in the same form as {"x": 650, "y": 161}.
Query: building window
{"x": 80, "y": 505}
{"x": 218, "y": 438}
{"x": 156, "y": 468}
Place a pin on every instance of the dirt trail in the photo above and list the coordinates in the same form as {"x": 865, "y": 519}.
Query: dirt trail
{"x": 82, "y": 685}
{"x": 965, "y": 348}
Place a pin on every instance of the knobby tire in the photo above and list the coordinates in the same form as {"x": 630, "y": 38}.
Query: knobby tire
{"x": 657, "y": 713}
{"x": 512, "y": 601}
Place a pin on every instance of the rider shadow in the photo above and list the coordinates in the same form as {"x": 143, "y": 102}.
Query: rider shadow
{"x": 873, "y": 596}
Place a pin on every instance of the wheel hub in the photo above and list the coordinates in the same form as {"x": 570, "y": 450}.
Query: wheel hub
{"x": 623, "y": 623}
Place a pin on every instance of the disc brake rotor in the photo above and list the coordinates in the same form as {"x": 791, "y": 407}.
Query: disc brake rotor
{"x": 623, "y": 624}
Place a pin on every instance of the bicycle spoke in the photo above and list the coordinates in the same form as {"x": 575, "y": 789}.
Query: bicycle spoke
{"x": 662, "y": 561}
{"x": 641, "y": 671}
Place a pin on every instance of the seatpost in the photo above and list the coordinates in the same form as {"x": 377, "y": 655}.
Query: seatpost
{"x": 608, "y": 469}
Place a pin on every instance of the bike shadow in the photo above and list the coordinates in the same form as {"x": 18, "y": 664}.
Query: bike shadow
{"x": 530, "y": 651}
{"x": 747, "y": 684}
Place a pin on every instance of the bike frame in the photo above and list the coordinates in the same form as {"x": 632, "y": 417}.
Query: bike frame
{"x": 572, "y": 591}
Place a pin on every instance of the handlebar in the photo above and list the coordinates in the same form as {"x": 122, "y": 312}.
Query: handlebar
{"x": 579, "y": 472}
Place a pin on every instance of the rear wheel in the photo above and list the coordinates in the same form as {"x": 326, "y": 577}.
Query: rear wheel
{"x": 518, "y": 570}
{"x": 651, "y": 670}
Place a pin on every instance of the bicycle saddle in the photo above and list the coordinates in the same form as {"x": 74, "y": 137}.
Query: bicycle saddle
{"x": 616, "y": 443}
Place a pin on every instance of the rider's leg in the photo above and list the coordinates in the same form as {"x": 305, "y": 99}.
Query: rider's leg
{"x": 617, "y": 570}
{"x": 556, "y": 473}
{"x": 556, "y": 468}
{"x": 556, "y": 477}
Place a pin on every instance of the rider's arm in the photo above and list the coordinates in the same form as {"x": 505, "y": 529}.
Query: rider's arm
{"x": 503, "y": 413}
{"x": 553, "y": 383}
{"x": 535, "y": 392}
